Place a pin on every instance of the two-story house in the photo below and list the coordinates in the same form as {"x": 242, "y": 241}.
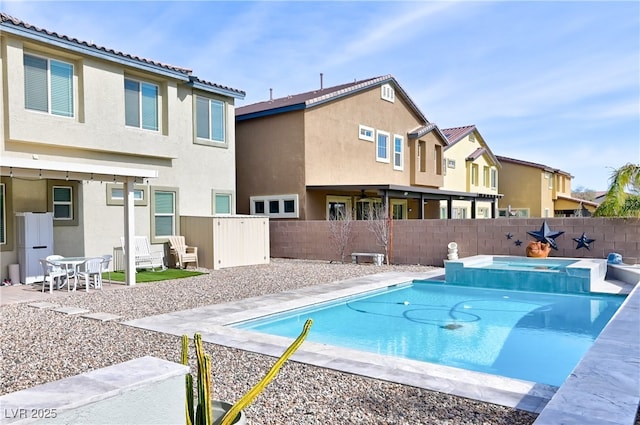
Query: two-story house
{"x": 112, "y": 144}
{"x": 537, "y": 190}
{"x": 313, "y": 155}
{"x": 470, "y": 166}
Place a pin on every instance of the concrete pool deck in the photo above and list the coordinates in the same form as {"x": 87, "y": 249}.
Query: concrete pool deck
{"x": 211, "y": 322}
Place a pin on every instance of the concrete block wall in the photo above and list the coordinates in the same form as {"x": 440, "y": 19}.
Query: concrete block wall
{"x": 425, "y": 241}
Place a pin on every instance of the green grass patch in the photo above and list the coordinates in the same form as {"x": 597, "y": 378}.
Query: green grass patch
{"x": 151, "y": 276}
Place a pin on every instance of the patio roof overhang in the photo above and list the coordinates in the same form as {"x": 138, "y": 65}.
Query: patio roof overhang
{"x": 417, "y": 192}
{"x": 37, "y": 168}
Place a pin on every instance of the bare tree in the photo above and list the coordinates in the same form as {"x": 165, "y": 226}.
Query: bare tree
{"x": 379, "y": 223}
{"x": 340, "y": 227}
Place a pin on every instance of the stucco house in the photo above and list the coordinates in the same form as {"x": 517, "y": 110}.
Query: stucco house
{"x": 113, "y": 144}
{"x": 470, "y": 166}
{"x": 536, "y": 190}
{"x": 313, "y": 155}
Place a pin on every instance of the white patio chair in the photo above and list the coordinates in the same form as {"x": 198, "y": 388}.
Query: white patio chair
{"x": 91, "y": 269}
{"x": 52, "y": 273}
{"x": 182, "y": 252}
{"x": 106, "y": 262}
{"x": 70, "y": 271}
{"x": 144, "y": 257}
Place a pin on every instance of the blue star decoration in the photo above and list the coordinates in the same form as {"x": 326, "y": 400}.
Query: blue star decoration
{"x": 546, "y": 235}
{"x": 583, "y": 241}
{"x": 509, "y": 235}
{"x": 518, "y": 242}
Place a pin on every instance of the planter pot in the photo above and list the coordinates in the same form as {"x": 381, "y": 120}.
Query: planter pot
{"x": 220, "y": 408}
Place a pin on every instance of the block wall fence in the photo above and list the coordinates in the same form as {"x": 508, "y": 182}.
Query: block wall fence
{"x": 425, "y": 241}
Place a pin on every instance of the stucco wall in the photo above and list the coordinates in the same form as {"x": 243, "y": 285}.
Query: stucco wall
{"x": 425, "y": 241}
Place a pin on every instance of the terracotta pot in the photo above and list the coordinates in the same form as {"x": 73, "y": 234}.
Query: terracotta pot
{"x": 538, "y": 249}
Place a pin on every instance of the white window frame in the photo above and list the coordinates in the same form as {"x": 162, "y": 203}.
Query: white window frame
{"x": 214, "y": 197}
{"x": 451, "y": 163}
{"x": 474, "y": 174}
{"x": 140, "y": 196}
{"x": 281, "y": 200}
{"x": 209, "y": 139}
{"x": 387, "y": 137}
{"x": 366, "y": 133}
{"x": 403, "y": 204}
{"x": 494, "y": 178}
{"x": 175, "y": 225}
{"x": 141, "y": 124}
{"x": 49, "y": 87}
{"x": 398, "y": 154}
{"x": 62, "y": 203}
{"x": 387, "y": 93}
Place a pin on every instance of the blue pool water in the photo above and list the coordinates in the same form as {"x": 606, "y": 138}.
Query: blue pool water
{"x": 533, "y": 336}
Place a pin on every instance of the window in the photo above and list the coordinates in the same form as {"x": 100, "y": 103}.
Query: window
{"x": 398, "y": 209}
{"x": 115, "y": 194}
{"x": 422, "y": 161}
{"x": 164, "y": 212}
{"x": 483, "y": 212}
{"x": 494, "y": 178}
{"x": 222, "y": 203}
{"x": 339, "y": 208}
{"x": 365, "y": 133}
{"x": 3, "y": 215}
{"x": 62, "y": 203}
{"x": 278, "y": 206}
{"x": 485, "y": 176}
{"x": 474, "y": 174}
{"x": 382, "y": 147}
{"x": 459, "y": 213}
{"x": 48, "y": 85}
{"x": 210, "y": 119}
{"x": 398, "y": 161}
{"x": 549, "y": 176}
{"x": 437, "y": 159}
{"x": 513, "y": 212}
{"x": 451, "y": 163}
{"x": 141, "y": 104}
{"x": 387, "y": 93}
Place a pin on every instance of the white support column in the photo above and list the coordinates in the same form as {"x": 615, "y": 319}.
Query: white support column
{"x": 129, "y": 232}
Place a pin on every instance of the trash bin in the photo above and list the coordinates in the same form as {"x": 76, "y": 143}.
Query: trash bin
{"x": 14, "y": 273}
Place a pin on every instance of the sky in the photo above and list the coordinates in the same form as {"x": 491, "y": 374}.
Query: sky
{"x": 555, "y": 83}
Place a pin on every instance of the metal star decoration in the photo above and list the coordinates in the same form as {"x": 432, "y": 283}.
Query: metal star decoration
{"x": 518, "y": 242}
{"x": 509, "y": 235}
{"x": 546, "y": 235}
{"x": 583, "y": 241}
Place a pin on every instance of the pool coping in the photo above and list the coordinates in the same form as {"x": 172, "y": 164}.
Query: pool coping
{"x": 211, "y": 321}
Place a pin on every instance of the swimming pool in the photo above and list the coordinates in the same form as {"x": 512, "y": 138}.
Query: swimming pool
{"x": 534, "y": 336}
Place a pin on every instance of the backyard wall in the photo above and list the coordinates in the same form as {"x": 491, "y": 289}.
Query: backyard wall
{"x": 425, "y": 241}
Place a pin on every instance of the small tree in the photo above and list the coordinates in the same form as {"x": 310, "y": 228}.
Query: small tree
{"x": 623, "y": 197}
{"x": 379, "y": 223}
{"x": 340, "y": 228}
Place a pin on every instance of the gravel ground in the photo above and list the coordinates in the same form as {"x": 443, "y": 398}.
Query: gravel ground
{"x": 40, "y": 346}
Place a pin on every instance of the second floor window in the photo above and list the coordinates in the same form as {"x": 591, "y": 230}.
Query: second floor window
{"x": 382, "y": 147}
{"x": 141, "y": 104}
{"x": 48, "y": 85}
{"x": 210, "y": 119}
{"x": 397, "y": 152}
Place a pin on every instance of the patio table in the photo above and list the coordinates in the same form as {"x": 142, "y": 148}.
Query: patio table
{"x": 71, "y": 263}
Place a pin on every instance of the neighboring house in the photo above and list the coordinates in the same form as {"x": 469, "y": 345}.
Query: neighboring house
{"x": 88, "y": 132}
{"x": 315, "y": 155}
{"x": 470, "y": 166}
{"x": 536, "y": 190}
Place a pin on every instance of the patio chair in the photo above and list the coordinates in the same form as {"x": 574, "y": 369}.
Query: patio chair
{"x": 106, "y": 262}
{"x": 182, "y": 252}
{"x": 52, "y": 273}
{"x": 70, "y": 271}
{"x": 144, "y": 258}
{"x": 91, "y": 269}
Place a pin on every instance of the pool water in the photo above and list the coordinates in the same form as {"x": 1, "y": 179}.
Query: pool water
{"x": 534, "y": 336}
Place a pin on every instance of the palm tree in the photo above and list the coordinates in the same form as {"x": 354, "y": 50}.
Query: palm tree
{"x": 623, "y": 197}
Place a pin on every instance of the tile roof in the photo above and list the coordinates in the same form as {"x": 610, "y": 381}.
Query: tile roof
{"x": 477, "y": 154}
{"x": 320, "y": 96}
{"x": 11, "y": 24}
{"x": 424, "y": 129}
{"x": 532, "y": 164}
{"x": 457, "y": 133}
